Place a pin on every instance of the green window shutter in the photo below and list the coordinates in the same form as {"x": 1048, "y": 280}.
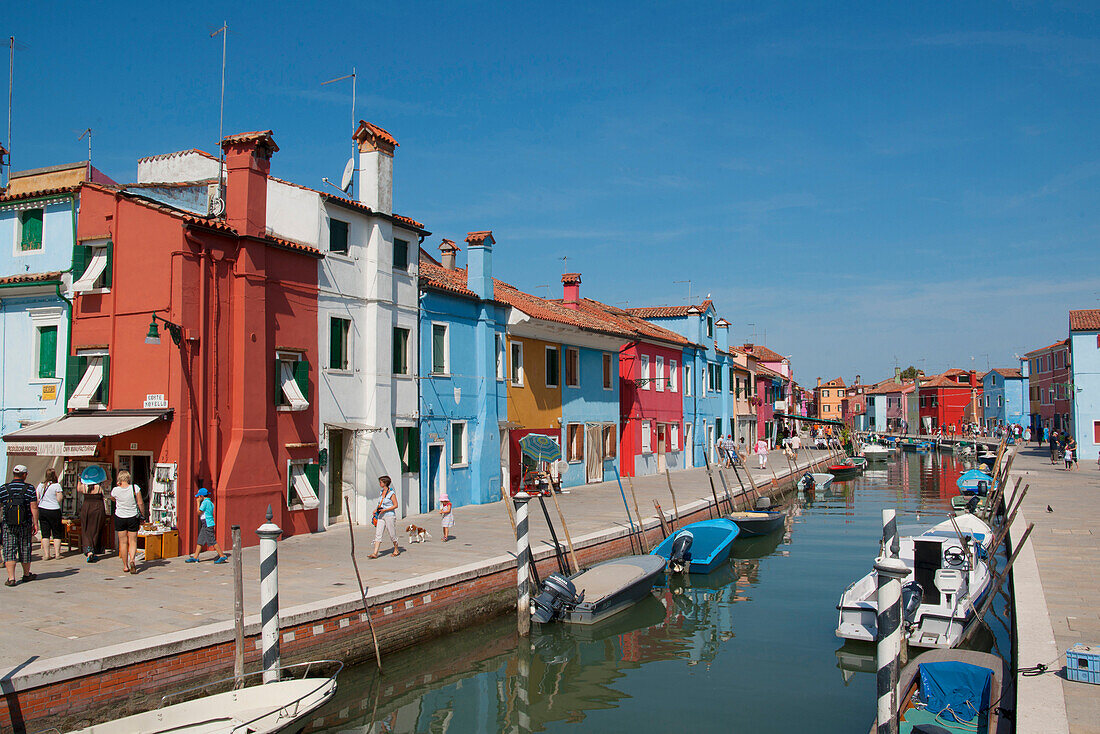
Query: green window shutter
{"x": 279, "y": 399}
{"x": 335, "y": 346}
{"x": 32, "y": 230}
{"x": 47, "y": 352}
{"x": 301, "y": 376}
{"x": 337, "y": 236}
{"x": 80, "y": 260}
{"x": 105, "y": 384}
{"x": 400, "y": 255}
{"x": 107, "y": 270}
{"x": 74, "y": 370}
{"x": 414, "y": 449}
{"x": 400, "y": 351}
{"x": 313, "y": 475}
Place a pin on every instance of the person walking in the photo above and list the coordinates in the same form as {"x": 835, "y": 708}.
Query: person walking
{"x": 385, "y": 516}
{"x": 762, "y": 453}
{"x": 20, "y": 507}
{"x": 207, "y": 537}
{"x": 1053, "y": 446}
{"x": 93, "y": 516}
{"x": 796, "y": 444}
{"x": 129, "y": 509}
{"x": 49, "y": 514}
{"x": 1071, "y": 452}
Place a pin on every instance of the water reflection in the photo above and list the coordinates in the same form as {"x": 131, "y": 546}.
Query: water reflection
{"x": 700, "y": 653}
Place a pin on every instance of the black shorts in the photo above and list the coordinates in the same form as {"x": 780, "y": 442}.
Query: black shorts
{"x": 127, "y": 524}
{"x": 49, "y": 522}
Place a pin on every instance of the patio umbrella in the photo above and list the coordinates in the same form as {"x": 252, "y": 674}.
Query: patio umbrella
{"x": 539, "y": 447}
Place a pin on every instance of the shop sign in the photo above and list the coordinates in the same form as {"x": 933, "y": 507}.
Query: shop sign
{"x": 155, "y": 401}
{"x": 49, "y": 392}
{"x": 51, "y": 448}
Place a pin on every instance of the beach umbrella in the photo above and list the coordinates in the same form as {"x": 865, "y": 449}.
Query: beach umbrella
{"x": 540, "y": 447}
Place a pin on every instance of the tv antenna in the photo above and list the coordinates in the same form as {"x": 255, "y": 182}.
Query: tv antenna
{"x": 676, "y": 282}
{"x": 347, "y": 181}
{"x": 87, "y": 132}
{"x": 565, "y": 264}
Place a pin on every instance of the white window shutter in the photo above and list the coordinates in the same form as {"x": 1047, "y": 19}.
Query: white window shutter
{"x": 89, "y": 383}
{"x": 290, "y": 387}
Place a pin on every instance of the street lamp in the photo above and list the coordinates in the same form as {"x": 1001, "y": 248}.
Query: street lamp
{"x": 153, "y": 337}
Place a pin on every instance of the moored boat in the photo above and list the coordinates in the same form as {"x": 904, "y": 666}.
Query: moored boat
{"x": 815, "y": 482}
{"x": 874, "y": 452}
{"x": 595, "y": 594}
{"x": 698, "y": 547}
{"x": 845, "y": 470}
{"x": 761, "y": 521}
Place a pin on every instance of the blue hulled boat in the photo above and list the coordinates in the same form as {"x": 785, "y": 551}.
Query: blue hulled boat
{"x": 699, "y": 547}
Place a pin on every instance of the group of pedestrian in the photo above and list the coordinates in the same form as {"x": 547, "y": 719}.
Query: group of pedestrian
{"x": 1063, "y": 447}
{"x": 385, "y": 516}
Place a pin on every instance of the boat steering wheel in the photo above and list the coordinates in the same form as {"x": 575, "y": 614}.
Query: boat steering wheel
{"x": 953, "y": 556}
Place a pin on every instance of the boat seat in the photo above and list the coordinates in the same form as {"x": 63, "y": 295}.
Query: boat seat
{"x": 949, "y": 580}
{"x": 600, "y": 581}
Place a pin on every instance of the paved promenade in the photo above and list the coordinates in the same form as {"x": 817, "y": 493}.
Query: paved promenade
{"x": 74, "y": 610}
{"x": 1062, "y": 581}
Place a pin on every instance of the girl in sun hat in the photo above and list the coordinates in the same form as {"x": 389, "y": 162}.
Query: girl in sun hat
{"x": 447, "y": 516}
{"x": 206, "y": 529}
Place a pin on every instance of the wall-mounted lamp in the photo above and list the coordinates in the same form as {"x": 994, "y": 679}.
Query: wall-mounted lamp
{"x": 174, "y": 331}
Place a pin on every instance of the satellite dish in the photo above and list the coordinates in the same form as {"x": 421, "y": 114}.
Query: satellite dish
{"x": 349, "y": 172}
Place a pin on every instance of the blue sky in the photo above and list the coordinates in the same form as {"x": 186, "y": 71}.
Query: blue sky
{"x": 861, "y": 182}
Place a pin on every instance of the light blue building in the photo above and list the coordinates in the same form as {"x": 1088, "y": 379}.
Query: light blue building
{"x": 1003, "y": 392}
{"x": 463, "y": 396}
{"x": 876, "y": 411}
{"x": 1084, "y": 345}
{"x": 592, "y": 401}
{"x": 38, "y": 214}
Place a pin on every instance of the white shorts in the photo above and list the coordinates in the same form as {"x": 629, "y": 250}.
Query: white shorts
{"x": 387, "y": 522}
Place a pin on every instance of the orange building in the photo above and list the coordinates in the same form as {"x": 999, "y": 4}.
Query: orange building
{"x": 829, "y": 398}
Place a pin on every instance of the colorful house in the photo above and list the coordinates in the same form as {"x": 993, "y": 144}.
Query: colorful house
{"x": 1003, "y": 398}
{"x": 463, "y": 393}
{"x": 1048, "y": 387}
{"x": 777, "y": 389}
{"x": 829, "y": 398}
{"x": 950, "y": 400}
{"x": 1084, "y": 342}
{"x": 744, "y": 393}
{"x": 854, "y": 407}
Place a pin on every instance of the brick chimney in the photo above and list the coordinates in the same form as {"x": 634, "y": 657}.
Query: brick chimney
{"x": 722, "y": 336}
{"x": 819, "y": 382}
{"x": 973, "y": 378}
{"x": 479, "y": 263}
{"x": 247, "y": 164}
{"x": 571, "y": 289}
{"x": 449, "y": 250}
{"x": 376, "y": 148}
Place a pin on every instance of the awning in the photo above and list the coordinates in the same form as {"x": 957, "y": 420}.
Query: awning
{"x": 784, "y": 416}
{"x": 77, "y": 434}
{"x": 353, "y": 426}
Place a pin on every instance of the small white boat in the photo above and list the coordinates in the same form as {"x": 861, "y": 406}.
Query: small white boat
{"x": 816, "y": 482}
{"x": 948, "y": 579}
{"x": 271, "y": 708}
{"x": 874, "y": 452}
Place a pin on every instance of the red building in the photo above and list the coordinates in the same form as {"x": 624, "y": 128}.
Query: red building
{"x": 1048, "y": 387}
{"x": 226, "y": 399}
{"x": 951, "y": 399}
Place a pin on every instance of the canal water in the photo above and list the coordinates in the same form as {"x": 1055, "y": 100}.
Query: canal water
{"x": 748, "y": 648}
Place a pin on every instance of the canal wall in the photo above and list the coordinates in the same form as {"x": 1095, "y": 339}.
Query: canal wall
{"x": 72, "y": 691}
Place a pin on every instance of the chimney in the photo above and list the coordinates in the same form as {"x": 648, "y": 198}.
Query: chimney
{"x": 973, "y": 378}
{"x": 247, "y": 164}
{"x": 897, "y": 374}
{"x": 819, "y": 382}
{"x": 571, "y": 290}
{"x": 449, "y": 250}
{"x": 479, "y": 263}
{"x": 695, "y": 325}
{"x": 857, "y": 379}
{"x": 722, "y": 336}
{"x": 376, "y": 148}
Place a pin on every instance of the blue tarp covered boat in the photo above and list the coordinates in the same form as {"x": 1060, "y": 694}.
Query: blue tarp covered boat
{"x": 699, "y": 547}
{"x": 954, "y": 691}
{"x": 970, "y": 482}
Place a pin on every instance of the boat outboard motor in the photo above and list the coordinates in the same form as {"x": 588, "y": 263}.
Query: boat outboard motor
{"x": 557, "y": 596}
{"x": 912, "y": 596}
{"x": 763, "y": 504}
{"x": 972, "y": 504}
{"x": 680, "y": 556}
{"x": 983, "y": 488}
{"x": 807, "y": 482}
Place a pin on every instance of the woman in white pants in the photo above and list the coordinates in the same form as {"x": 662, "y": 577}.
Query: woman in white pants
{"x": 762, "y": 453}
{"x": 385, "y": 516}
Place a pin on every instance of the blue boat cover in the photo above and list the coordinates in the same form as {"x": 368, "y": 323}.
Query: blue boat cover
{"x": 968, "y": 481}
{"x": 956, "y": 691}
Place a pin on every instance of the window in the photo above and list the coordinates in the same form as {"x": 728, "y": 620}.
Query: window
{"x": 574, "y": 446}
{"x": 553, "y": 364}
{"x": 440, "y": 349}
{"x": 732, "y": 379}
{"x": 824, "y": 393}
{"x": 645, "y": 438}
{"x": 718, "y": 377}
{"x": 673, "y": 375}
{"x": 687, "y": 379}
{"x": 400, "y": 255}
{"x": 302, "y": 480}
{"x": 30, "y": 229}
{"x": 516, "y": 365}
{"x": 608, "y": 372}
{"x": 408, "y": 448}
{"x": 92, "y": 260}
{"x": 645, "y": 371}
{"x": 458, "y": 443}
{"x": 94, "y": 369}
{"x": 572, "y": 367}
{"x": 1000, "y": 402}
{"x": 337, "y": 236}
{"x": 47, "y": 352}
{"x": 659, "y": 370}
{"x": 498, "y": 342}
{"x": 710, "y": 326}
{"x": 1096, "y": 431}
{"x": 400, "y": 351}
{"x": 609, "y": 443}
{"x": 291, "y": 380}
{"x": 674, "y": 436}
{"x": 338, "y": 332}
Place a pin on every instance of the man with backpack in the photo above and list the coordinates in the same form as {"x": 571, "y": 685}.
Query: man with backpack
{"x": 20, "y": 507}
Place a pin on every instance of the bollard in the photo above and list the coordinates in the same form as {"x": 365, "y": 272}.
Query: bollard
{"x": 891, "y": 545}
{"x": 238, "y": 609}
{"x": 523, "y": 561}
{"x": 888, "y": 636}
{"x": 269, "y": 534}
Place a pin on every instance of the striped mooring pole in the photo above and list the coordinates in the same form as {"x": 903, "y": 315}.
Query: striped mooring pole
{"x": 523, "y": 687}
{"x": 890, "y": 573}
{"x": 891, "y": 545}
{"x": 269, "y": 534}
{"x": 523, "y": 562}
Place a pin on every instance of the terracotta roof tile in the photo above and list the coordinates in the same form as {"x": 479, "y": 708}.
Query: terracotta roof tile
{"x": 30, "y": 278}
{"x": 376, "y": 131}
{"x": 39, "y": 193}
{"x": 263, "y": 136}
{"x": 762, "y": 353}
{"x": 626, "y": 320}
{"x": 1009, "y": 373}
{"x": 166, "y": 156}
{"x": 1061, "y": 343}
{"x": 944, "y": 379}
{"x": 836, "y": 382}
{"x": 476, "y": 238}
{"x": 667, "y": 312}
{"x": 1084, "y": 320}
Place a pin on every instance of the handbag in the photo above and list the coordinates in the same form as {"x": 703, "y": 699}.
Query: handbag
{"x": 137, "y": 504}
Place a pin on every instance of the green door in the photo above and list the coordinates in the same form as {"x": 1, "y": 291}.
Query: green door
{"x": 335, "y": 473}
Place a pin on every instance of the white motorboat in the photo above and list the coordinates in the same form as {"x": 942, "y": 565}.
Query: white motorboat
{"x": 949, "y": 577}
{"x": 816, "y": 482}
{"x": 271, "y": 708}
{"x": 874, "y": 452}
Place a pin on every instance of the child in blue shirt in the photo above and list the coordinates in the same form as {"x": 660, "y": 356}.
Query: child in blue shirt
{"x": 206, "y": 529}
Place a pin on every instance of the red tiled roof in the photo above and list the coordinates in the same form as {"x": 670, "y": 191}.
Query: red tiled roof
{"x": 410, "y": 221}
{"x": 667, "y": 312}
{"x": 626, "y": 320}
{"x": 476, "y": 238}
{"x": 1007, "y": 372}
{"x": 30, "y": 278}
{"x": 1062, "y": 343}
{"x": 351, "y": 204}
{"x": 166, "y": 156}
{"x": 264, "y": 136}
{"x": 38, "y": 194}
{"x": 944, "y": 379}
{"x": 763, "y": 371}
{"x": 1084, "y": 320}
{"x": 377, "y": 131}
{"x": 762, "y": 353}
{"x": 448, "y": 246}
{"x": 836, "y": 382}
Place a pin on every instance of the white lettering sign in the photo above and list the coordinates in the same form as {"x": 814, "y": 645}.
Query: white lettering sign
{"x": 155, "y": 401}
{"x": 51, "y": 448}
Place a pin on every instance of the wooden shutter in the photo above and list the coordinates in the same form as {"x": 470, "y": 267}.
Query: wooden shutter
{"x": 301, "y": 376}
{"x": 80, "y": 260}
{"x": 47, "y": 351}
{"x": 32, "y": 230}
{"x": 105, "y": 383}
{"x": 74, "y": 370}
{"x": 278, "y": 382}
{"x": 313, "y": 475}
{"x": 107, "y": 270}
{"x": 335, "y": 344}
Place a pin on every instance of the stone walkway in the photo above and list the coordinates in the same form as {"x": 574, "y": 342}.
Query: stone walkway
{"x": 1066, "y": 546}
{"x": 75, "y": 607}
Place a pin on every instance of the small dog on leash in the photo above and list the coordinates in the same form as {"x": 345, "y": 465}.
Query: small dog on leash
{"x": 417, "y": 534}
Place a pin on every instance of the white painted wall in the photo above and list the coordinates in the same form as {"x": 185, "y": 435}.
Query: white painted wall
{"x": 177, "y": 168}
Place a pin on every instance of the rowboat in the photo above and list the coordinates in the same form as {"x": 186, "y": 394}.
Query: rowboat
{"x": 955, "y": 691}
{"x": 815, "y": 482}
{"x": 271, "y": 708}
{"x": 698, "y": 547}
{"x": 970, "y": 482}
{"x": 597, "y": 593}
{"x": 948, "y": 578}
{"x": 761, "y": 521}
{"x": 874, "y": 452}
{"x": 845, "y": 470}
